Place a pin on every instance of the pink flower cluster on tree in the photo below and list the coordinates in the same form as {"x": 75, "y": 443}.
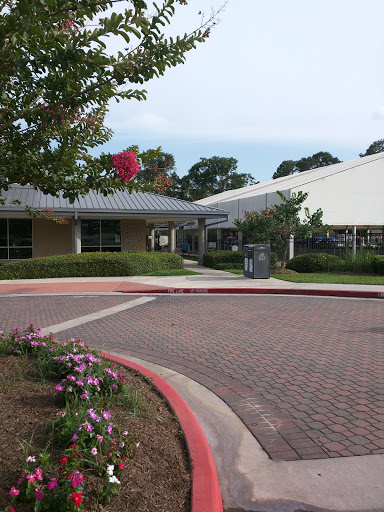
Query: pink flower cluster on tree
{"x": 125, "y": 165}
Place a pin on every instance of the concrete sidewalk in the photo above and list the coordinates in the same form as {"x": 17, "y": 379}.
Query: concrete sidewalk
{"x": 209, "y": 279}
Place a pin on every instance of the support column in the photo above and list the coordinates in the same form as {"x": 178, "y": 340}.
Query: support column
{"x": 354, "y": 240}
{"x": 240, "y": 240}
{"x": 193, "y": 249}
{"x": 76, "y": 235}
{"x": 201, "y": 240}
{"x": 171, "y": 237}
{"x": 151, "y": 230}
{"x": 291, "y": 247}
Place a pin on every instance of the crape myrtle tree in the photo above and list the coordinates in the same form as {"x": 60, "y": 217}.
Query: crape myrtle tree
{"x": 320, "y": 159}
{"x": 159, "y": 171}
{"x": 57, "y": 77}
{"x": 278, "y": 223}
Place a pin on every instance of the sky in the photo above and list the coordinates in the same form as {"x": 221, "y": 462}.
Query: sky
{"x": 276, "y": 80}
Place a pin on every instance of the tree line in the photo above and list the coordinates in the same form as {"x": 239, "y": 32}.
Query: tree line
{"x": 214, "y": 175}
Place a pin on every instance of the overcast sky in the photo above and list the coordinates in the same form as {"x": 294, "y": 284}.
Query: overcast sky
{"x": 276, "y": 80}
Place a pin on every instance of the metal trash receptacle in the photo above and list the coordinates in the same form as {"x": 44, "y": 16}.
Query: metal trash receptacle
{"x": 261, "y": 259}
{"x": 247, "y": 259}
{"x": 257, "y": 261}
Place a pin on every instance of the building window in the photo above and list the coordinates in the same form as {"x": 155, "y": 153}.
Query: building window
{"x": 100, "y": 235}
{"x": 15, "y": 239}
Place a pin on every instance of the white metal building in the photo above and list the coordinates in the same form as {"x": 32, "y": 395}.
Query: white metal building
{"x": 351, "y": 195}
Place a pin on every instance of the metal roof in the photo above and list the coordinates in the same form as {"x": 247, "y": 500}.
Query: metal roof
{"x": 289, "y": 182}
{"x": 121, "y": 203}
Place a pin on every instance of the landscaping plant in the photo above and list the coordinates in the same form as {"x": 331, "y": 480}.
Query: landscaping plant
{"x": 90, "y": 444}
{"x": 277, "y": 224}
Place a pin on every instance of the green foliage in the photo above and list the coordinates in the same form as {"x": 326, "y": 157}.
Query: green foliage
{"x": 314, "y": 262}
{"x": 331, "y": 278}
{"x": 375, "y": 147}
{"x": 379, "y": 265}
{"x": 57, "y": 76}
{"x": 159, "y": 172}
{"x": 225, "y": 260}
{"x": 273, "y": 260}
{"x": 228, "y": 266}
{"x": 212, "y": 176}
{"x": 321, "y": 159}
{"x": 90, "y": 440}
{"x": 277, "y": 224}
{"x": 363, "y": 262}
{"x": 213, "y": 258}
{"x": 95, "y": 264}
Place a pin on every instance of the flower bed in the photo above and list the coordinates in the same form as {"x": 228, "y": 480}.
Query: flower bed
{"x": 84, "y": 454}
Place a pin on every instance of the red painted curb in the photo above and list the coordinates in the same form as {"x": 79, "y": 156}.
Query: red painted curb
{"x": 206, "y": 495}
{"x": 267, "y": 291}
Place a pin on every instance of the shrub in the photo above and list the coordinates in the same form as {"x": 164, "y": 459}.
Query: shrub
{"x": 94, "y": 264}
{"x": 224, "y": 260}
{"x": 363, "y": 262}
{"x": 379, "y": 265}
{"x": 273, "y": 260}
{"x": 214, "y": 258}
{"x": 229, "y": 266}
{"x": 314, "y": 262}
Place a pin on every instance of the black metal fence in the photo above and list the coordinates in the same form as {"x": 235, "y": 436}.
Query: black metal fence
{"x": 341, "y": 244}
{"x": 338, "y": 244}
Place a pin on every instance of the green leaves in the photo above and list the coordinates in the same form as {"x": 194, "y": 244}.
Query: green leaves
{"x": 57, "y": 77}
{"x": 277, "y": 224}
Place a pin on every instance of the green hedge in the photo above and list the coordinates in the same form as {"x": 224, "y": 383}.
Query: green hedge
{"x": 223, "y": 260}
{"x": 214, "y": 258}
{"x": 92, "y": 264}
{"x": 314, "y": 262}
{"x": 229, "y": 266}
{"x": 379, "y": 265}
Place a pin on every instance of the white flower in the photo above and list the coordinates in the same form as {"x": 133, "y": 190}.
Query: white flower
{"x": 110, "y": 469}
{"x": 30, "y": 459}
{"x": 114, "y": 480}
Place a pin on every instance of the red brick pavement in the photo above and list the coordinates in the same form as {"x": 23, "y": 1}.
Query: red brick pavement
{"x": 304, "y": 374}
{"x": 76, "y": 287}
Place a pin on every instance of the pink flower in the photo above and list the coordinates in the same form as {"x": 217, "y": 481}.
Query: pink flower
{"x": 14, "y": 491}
{"x": 125, "y": 165}
{"x": 52, "y": 484}
{"x": 94, "y": 451}
{"x": 39, "y": 495}
{"x": 39, "y": 474}
{"x": 31, "y": 477}
{"x": 121, "y": 465}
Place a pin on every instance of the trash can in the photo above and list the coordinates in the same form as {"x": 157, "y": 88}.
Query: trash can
{"x": 247, "y": 260}
{"x": 257, "y": 261}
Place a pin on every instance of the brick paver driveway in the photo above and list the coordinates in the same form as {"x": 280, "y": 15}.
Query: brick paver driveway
{"x": 305, "y": 374}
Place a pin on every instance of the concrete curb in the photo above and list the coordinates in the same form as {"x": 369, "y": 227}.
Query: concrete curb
{"x": 206, "y": 495}
{"x": 267, "y": 291}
